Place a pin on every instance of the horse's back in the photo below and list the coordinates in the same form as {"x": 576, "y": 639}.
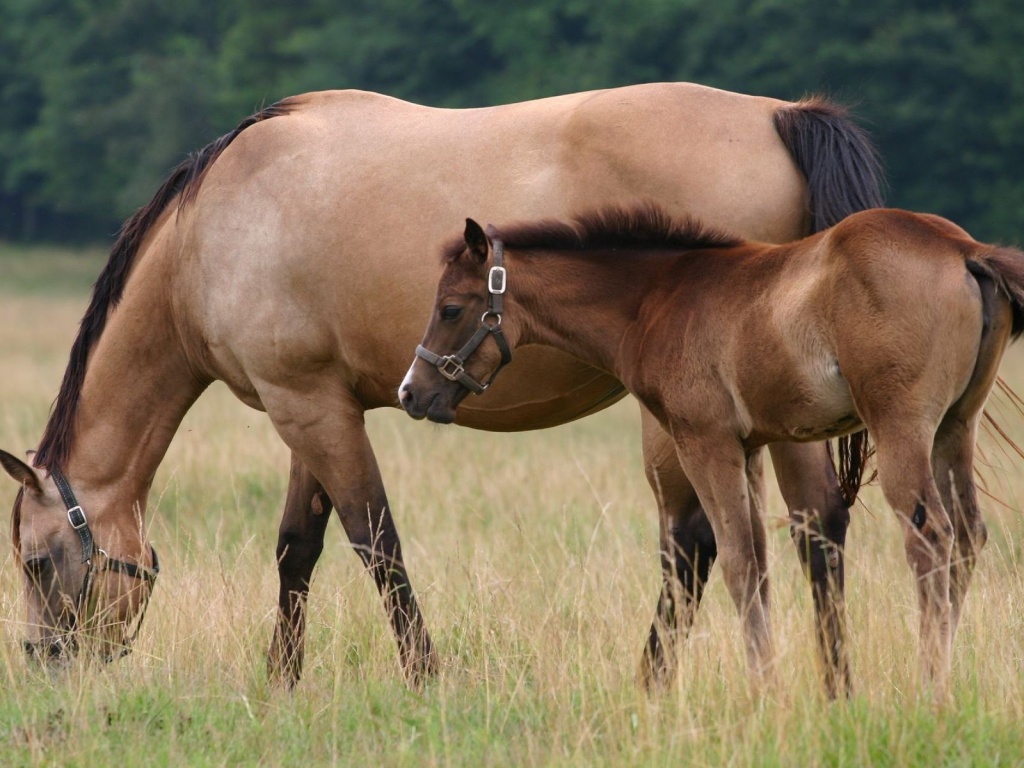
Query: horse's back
{"x": 333, "y": 213}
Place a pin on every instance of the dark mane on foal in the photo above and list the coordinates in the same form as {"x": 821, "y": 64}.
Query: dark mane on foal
{"x": 644, "y": 225}
{"x": 184, "y": 183}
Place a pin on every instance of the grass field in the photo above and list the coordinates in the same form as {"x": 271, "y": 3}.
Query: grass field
{"x": 535, "y": 558}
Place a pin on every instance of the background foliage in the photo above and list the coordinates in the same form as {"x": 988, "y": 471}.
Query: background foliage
{"x": 101, "y": 98}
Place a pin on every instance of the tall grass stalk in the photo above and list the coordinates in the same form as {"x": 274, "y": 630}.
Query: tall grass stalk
{"x": 535, "y": 557}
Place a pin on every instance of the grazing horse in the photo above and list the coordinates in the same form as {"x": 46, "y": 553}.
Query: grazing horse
{"x": 281, "y": 260}
{"x": 890, "y": 320}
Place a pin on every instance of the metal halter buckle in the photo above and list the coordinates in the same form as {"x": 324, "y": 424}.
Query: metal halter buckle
{"x": 76, "y": 516}
{"x": 450, "y": 367}
{"x": 497, "y": 279}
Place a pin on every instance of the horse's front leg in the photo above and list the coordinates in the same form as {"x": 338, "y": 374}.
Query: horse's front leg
{"x": 819, "y": 519}
{"x": 331, "y": 441}
{"x": 717, "y": 465}
{"x": 687, "y": 553}
{"x": 299, "y": 544}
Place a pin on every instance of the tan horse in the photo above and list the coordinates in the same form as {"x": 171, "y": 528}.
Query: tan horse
{"x": 890, "y": 320}
{"x": 283, "y": 260}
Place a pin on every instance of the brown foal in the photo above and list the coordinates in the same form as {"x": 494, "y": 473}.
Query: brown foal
{"x": 890, "y": 320}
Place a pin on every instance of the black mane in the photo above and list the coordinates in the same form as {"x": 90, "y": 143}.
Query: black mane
{"x": 185, "y": 181}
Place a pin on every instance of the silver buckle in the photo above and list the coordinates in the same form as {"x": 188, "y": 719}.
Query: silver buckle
{"x": 454, "y": 372}
{"x": 81, "y": 517}
{"x": 502, "y": 275}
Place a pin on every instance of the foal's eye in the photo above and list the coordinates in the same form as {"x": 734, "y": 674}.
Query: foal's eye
{"x": 451, "y": 312}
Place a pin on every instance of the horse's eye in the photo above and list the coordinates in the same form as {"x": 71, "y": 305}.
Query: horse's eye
{"x": 36, "y": 567}
{"x": 451, "y": 312}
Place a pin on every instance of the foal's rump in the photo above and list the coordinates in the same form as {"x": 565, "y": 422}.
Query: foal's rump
{"x": 917, "y": 300}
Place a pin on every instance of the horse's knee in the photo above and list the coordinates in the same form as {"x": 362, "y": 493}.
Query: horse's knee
{"x": 819, "y": 538}
{"x": 297, "y": 553}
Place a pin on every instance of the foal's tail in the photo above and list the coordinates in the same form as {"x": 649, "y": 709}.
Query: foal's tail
{"x": 1005, "y": 267}
{"x": 844, "y": 176}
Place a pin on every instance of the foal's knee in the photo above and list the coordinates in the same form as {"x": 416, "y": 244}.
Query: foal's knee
{"x": 929, "y": 541}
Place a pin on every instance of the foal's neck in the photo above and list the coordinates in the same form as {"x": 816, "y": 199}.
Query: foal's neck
{"x": 583, "y": 303}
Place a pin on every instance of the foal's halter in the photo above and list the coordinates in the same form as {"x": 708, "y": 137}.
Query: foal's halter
{"x": 76, "y": 517}
{"x": 453, "y": 367}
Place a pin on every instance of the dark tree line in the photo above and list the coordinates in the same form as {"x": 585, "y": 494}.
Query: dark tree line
{"x": 102, "y": 97}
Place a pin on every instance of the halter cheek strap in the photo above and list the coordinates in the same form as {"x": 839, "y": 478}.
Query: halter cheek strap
{"x": 453, "y": 367}
{"x": 79, "y": 523}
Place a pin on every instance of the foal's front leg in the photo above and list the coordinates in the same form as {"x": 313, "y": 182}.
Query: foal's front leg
{"x": 687, "y": 553}
{"x": 717, "y": 466}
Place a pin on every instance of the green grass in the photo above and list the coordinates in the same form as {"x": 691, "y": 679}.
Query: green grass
{"x": 535, "y": 558}
{"x": 48, "y": 271}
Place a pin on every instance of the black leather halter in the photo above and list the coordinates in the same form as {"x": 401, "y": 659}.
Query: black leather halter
{"x": 76, "y": 517}
{"x": 453, "y": 367}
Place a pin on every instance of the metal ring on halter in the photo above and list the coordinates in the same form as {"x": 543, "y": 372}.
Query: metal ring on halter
{"x": 489, "y": 313}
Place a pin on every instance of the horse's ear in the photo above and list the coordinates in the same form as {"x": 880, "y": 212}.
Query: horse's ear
{"x": 21, "y": 472}
{"x": 476, "y": 241}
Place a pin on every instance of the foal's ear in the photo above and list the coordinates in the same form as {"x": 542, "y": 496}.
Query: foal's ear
{"x": 476, "y": 241}
{"x": 21, "y": 472}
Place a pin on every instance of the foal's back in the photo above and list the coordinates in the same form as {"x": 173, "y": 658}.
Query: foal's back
{"x": 785, "y": 342}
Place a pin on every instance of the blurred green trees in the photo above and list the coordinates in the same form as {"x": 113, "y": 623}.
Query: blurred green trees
{"x": 100, "y": 98}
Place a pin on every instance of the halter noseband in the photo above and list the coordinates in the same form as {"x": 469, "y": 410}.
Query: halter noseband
{"x": 453, "y": 367}
{"x": 76, "y": 517}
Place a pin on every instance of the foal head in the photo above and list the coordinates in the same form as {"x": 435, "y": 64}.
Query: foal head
{"x": 464, "y": 346}
{"x": 74, "y": 591}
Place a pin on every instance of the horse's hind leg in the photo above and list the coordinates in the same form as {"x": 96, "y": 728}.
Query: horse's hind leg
{"x": 687, "y": 553}
{"x": 299, "y": 544}
{"x": 818, "y": 522}
{"x": 331, "y": 442}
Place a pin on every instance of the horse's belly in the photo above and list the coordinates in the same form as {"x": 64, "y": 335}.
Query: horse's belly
{"x": 542, "y": 388}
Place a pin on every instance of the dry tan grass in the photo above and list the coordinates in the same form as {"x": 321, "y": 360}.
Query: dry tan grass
{"x": 535, "y": 557}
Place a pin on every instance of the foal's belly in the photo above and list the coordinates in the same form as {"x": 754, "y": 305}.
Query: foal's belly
{"x": 812, "y": 403}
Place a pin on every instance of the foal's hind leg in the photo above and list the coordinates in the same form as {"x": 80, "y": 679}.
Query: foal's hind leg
{"x": 819, "y": 520}
{"x": 953, "y": 453}
{"x": 687, "y": 553}
{"x": 299, "y": 544}
{"x": 717, "y": 466}
{"x": 905, "y": 473}
{"x": 952, "y": 461}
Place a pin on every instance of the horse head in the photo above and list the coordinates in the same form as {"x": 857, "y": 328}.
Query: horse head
{"x": 75, "y": 592}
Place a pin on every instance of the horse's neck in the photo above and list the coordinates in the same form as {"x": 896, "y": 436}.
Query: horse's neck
{"x": 137, "y": 388}
{"x": 583, "y": 304}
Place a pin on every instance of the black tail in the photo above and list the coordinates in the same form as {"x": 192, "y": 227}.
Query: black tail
{"x": 844, "y": 176}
